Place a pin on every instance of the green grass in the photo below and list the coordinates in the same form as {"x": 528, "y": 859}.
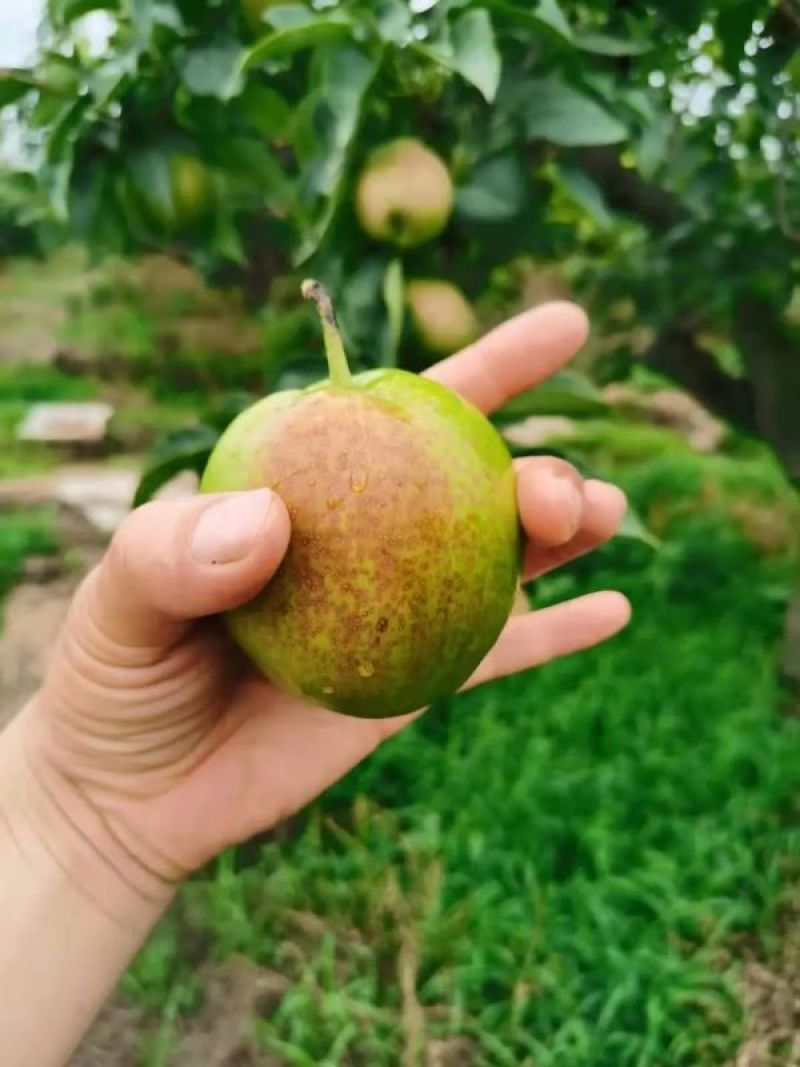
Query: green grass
{"x": 23, "y": 534}
{"x": 559, "y": 866}
{"x": 139, "y": 419}
{"x": 34, "y": 383}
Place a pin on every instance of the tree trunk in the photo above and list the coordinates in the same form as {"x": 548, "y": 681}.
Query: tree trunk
{"x": 677, "y": 355}
{"x": 773, "y": 364}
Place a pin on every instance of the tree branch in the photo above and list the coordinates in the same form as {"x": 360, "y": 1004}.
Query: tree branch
{"x": 627, "y": 193}
{"x": 785, "y": 224}
{"x": 790, "y": 13}
{"x": 770, "y": 349}
{"x": 764, "y": 403}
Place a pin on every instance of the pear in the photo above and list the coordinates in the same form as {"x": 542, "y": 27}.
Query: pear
{"x": 192, "y": 190}
{"x": 405, "y": 550}
{"x": 442, "y": 316}
{"x": 404, "y": 194}
{"x": 184, "y": 199}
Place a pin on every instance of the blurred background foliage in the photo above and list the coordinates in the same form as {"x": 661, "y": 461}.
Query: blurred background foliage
{"x": 643, "y": 159}
{"x": 570, "y": 870}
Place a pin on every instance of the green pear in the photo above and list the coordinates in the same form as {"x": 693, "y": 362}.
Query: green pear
{"x": 184, "y": 199}
{"x": 404, "y": 555}
{"x": 59, "y": 75}
{"x": 404, "y": 194}
{"x": 192, "y": 190}
{"x": 443, "y": 318}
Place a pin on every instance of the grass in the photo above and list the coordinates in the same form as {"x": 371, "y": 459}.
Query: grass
{"x": 23, "y": 534}
{"x": 561, "y": 867}
{"x": 139, "y": 419}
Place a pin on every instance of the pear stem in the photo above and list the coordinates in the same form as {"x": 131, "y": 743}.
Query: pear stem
{"x": 338, "y": 366}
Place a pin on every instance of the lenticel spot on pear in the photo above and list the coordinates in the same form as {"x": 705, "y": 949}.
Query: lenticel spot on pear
{"x": 404, "y": 555}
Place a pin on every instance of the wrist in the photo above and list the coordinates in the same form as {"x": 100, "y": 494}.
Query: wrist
{"x": 62, "y": 836}
{"x": 73, "y": 916}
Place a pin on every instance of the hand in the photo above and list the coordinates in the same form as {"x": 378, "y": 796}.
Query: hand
{"x": 152, "y": 738}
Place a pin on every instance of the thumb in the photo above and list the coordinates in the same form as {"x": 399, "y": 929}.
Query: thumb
{"x": 172, "y": 562}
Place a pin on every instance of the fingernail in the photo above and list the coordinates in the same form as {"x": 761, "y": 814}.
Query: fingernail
{"x": 227, "y": 531}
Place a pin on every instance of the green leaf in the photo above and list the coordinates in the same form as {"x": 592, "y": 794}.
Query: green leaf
{"x": 17, "y": 190}
{"x": 634, "y": 529}
{"x": 62, "y": 12}
{"x": 302, "y": 132}
{"x": 605, "y": 45}
{"x": 547, "y": 15}
{"x": 470, "y": 51}
{"x": 495, "y": 190}
{"x": 793, "y": 68}
{"x": 287, "y": 16}
{"x": 653, "y": 148}
{"x": 146, "y": 15}
{"x": 557, "y": 112}
{"x": 363, "y": 298}
{"x": 14, "y": 84}
{"x": 289, "y": 334}
{"x": 150, "y": 174}
{"x": 475, "y": 54}
{"x": 266, "y": 111}
{"x": 394, "y": 298}
{"x": 260, "y": 172}
{"x": 182, "y": 450}
{"x": 109, "y": 79}
{"x": 56, "y": 174}
{"x": 59, "y": 75}
{"x": 550, "y": 14}
{"x": 214, "y": 71}
{"x": 565, "y": 393}
{"x": 227, "y": 239}
{"x": 393, "y": 19}
{"x": 94, "y": 211}
{"x": 295, "y": 39}
{"x": 586, "y": 194}
{"x": 164, "y": 13}
{"x": 345, "y": 74}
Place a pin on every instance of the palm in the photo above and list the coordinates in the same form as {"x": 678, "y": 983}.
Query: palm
{"x": 265, "y": 758}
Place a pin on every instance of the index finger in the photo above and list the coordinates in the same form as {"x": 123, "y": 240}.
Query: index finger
{"x": 516, "y": 355}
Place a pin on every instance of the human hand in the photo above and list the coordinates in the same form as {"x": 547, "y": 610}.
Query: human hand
{"x": 151, "y": 739}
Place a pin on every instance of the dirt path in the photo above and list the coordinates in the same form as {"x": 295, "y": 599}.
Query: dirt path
{"x": 33, "y": 616}
{"x": 771, "y": 997}
{"x": 92, "y": 499}
{"x": 235, "y": 993}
